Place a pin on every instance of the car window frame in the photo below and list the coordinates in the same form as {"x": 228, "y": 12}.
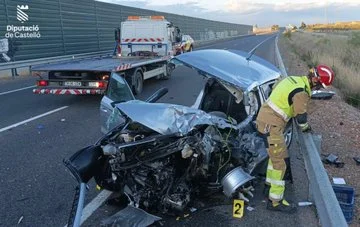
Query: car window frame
{"x": 261, "y": 87}
{"x": 113, "y": 77}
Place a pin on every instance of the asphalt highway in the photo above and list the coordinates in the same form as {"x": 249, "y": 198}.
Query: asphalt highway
{"x": 36, "y": 189}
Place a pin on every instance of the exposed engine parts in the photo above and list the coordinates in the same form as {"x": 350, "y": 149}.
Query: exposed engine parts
{"x": 162, "y": 172}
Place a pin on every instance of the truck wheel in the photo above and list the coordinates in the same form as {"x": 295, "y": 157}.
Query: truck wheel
{"x": 138, "y": 82}
{"x": 169, "y": 68}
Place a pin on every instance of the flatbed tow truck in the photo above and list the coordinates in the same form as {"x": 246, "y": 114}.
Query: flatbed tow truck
{"x": 144, "y": 46}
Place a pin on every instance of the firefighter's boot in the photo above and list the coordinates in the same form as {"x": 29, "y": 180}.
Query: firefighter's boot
{"x": 282, "y": 206}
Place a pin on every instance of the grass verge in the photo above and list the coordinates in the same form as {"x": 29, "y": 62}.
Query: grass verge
{"x": 342, "y": 53}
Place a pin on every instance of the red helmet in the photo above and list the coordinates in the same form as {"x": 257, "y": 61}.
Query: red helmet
{"x": 325, "y": 75}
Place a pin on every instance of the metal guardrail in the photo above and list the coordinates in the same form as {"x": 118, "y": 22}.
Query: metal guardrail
{"x": 201, "y": 43}
{"x": 322, "y": 193}
{"x": 28, "y": 63}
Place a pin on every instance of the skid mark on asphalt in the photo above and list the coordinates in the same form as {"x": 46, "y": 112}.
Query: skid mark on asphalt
{"x": 32, "y": 118}
{"x": 20, "y": 89}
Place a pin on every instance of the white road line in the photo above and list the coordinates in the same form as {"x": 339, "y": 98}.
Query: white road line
{"x": 254, "y": 49}
{"x": 33, "y": 118}
{"x": 91, "y": 207}
{"x": 20, "y": 89}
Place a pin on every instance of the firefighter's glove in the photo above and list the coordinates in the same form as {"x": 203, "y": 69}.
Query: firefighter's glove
{"x": 305, "y": 127}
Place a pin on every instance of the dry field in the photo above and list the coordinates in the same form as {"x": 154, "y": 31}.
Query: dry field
{"x": 342, "y": 52}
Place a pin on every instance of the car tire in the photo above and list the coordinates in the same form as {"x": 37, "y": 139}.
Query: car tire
{"x": 289, "y": 133}
{"x": 138, "y": 82}
{"x": 169, "y": 69}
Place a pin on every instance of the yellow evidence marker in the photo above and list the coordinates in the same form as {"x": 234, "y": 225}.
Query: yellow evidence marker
{"x": 238, "y": 208}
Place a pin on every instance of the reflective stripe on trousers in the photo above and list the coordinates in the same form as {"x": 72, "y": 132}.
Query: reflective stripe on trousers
{"x": 277, "y": 184}
{"x": 277, "y": 151}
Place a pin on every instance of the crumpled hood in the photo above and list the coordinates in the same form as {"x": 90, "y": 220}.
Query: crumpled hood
{"x": 230, "y": 67}
{"x": 169, "y": 118}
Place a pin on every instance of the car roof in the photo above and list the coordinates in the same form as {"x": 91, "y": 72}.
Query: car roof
{"x": 231, "y": 67}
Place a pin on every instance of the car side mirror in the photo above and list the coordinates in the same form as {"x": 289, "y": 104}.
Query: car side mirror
{"x": 157, "y": 95}
{"x": 325, "y": 95}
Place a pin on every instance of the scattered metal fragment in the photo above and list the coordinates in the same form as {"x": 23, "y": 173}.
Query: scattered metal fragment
{"x": 130, "y": 216}
{"x": 357, "y": 160}
{"x": 305, "y": 203}
{"x": 333, "y": 160}
{"x": 242, "y": 196}
{"x": 193, "y": 209}
{"x": 62, "y": 120}
{"x": 20, "y": 219}
{"x": 249, "y": 208}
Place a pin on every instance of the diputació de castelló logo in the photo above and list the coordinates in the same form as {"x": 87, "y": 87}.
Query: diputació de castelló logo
{"x": 20, "y": 14}
{"x": 13, "y": 31}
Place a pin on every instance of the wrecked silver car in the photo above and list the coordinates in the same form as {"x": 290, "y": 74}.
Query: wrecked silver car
{"x": 162, "y": 159}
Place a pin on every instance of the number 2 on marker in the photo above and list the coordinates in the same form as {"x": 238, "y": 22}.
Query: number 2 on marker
{"x": 238, "y": 208}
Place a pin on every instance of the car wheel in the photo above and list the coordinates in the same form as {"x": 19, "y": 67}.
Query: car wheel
{"x": 138, "y": 83}
{"x": 289, "y": 133}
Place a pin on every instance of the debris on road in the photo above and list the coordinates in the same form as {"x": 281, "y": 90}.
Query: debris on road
{"x": 193, "y": 209}
{"x": 39, "y": 128}
{"x": 357, "y": 160}
{"x": 62, "y": 120}
{"x": 249, "y": 208}
{"x": 333, "y": 160}
{"x": 306, "y": 203}
{"x": 130, "y": 216}
{"x": 20, "y": 219}
{"x": 339, "y": 180}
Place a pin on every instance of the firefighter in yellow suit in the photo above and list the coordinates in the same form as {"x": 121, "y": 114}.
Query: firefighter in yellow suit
{"x": 289, "y": 99}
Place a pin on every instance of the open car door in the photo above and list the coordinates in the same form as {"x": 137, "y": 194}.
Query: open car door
{"x": 117, "y": 91}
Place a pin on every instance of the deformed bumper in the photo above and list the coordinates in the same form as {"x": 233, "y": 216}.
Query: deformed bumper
{"x": 56, "y": 91}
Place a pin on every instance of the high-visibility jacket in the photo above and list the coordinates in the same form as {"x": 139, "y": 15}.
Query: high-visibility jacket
{"x": 281, "y": 98}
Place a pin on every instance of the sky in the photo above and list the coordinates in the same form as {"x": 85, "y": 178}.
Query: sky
{"x": 257, "y": 12}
